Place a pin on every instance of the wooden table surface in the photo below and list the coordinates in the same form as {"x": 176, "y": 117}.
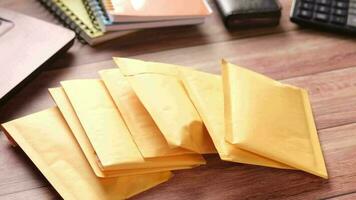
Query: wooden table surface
{"x": 324, "y": 63}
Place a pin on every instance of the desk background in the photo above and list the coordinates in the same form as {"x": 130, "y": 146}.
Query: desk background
{"x": 324, "y": 63}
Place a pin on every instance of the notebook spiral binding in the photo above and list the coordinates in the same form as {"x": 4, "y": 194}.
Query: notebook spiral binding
{"x": 97, "y": 13}
{"x": 68, "y": 18}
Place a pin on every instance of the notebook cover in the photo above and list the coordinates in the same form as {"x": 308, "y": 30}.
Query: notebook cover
{"x": 22, "y": 48}
{"x": 140, "y": 10}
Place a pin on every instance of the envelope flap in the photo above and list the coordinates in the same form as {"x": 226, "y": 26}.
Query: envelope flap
{"x": 271, "y": 119}
{"x": 102, "y": 122}
{"x": 206, "y": 92}
{"x": 144, "y": 130}
{"x": 167, "y": 102}
{"x": 131, "y": 67}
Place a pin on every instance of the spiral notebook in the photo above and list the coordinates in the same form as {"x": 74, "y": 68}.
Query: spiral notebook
{"x": 153, "y": 14}
{"x": 74, "y": 14}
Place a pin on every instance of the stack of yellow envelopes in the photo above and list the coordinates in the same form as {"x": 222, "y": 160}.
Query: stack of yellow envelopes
{"x": 113, "y": 137}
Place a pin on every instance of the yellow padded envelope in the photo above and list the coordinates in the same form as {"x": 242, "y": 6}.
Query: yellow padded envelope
{"x": 49, "y": 143}
{"x": 73, "y": 122}
{"x": 102, "y": 123}
{"x": 163, "y": 95}
{"x": 206, "y": 92}
{"x": 143, "y": 129}
{"x": 97, "y": 99}
{"x": 271, "y": 119}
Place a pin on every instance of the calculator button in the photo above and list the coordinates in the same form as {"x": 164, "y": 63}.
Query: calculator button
{"x": 323, "y": 9}
{"x": 324, "y": 2}
{"x": 305, "y": 13}
{"x": 338, "y": 20}
{"x": 341, "y": 12}
{"x": 341, "y": 4}
{"x": 321, "y": 17}
{"x": 307, "y": 6}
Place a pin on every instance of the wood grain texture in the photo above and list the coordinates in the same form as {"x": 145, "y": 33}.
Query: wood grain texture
{"x": 281, "y": 56}
{"x": 41, "y": 193}
{"x": 151, "y": 40}
{"x": 349, "y": 196}
{"x": 323, "y": 63}
{"x": 333, "y": 96}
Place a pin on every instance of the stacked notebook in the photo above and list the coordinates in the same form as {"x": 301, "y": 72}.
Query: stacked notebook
{"x": 114, "y": 137}
{"x": 96, "y": 21}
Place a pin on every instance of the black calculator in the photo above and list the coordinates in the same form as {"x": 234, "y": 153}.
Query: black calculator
{"x": 338, "y": 15}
